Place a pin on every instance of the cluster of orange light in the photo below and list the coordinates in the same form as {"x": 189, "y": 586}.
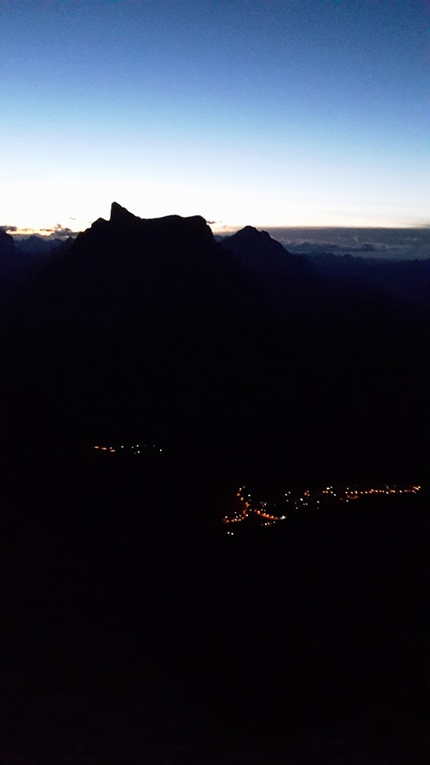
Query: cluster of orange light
{"x": 341, "y": 493}
{"x": 247, "y": 509}
{"x": 235, "y": 519}
{"x": 133, "y": 448}
{"x": 266, "y": 515}
{"x": 356, "y": 493}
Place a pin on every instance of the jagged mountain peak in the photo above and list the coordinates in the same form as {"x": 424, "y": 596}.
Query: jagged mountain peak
{"x": 256, "y": 241}
{"x": 258, "y": 251}
{"x": 119, "y": 214}
{"x": 251, "y": 231}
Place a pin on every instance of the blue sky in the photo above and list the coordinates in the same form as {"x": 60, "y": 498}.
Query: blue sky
{"x": 262, "y": 112}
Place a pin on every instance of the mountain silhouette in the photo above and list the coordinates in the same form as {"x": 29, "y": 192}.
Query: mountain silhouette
{"x": 127, "y": 265}
{"x": 259, "y": 252}
{"x": 21, "y": 259}
{"x": 7, "y": 260}
{"x": 7, "y": 246}
{"x": 235, "y": 350}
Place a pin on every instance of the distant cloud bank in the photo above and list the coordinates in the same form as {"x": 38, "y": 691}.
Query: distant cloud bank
{"x": 387, "y": 243}
{"x": 55, "y": 232}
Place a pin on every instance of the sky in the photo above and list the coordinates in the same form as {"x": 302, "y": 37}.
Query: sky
{"x": 261, "y": 112}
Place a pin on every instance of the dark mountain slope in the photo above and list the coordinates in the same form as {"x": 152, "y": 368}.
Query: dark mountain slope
{"x": 259, "y": 252}
{"x": 407, "y": 280}
{"x": 7, "y": 246}
{"x": 286, "y": 283}
{"x": 7, "y": 256}
{"x": 22, "y": 259}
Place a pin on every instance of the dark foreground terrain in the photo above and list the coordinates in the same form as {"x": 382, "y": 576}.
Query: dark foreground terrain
{"x": 133, "y": 632}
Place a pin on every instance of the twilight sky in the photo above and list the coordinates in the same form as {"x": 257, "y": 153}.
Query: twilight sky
{"x": 267, "y": 112}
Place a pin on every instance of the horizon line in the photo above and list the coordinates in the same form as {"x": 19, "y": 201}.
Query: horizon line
{"x": 16, "y": 231}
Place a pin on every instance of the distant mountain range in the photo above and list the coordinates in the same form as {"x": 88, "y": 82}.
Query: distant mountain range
{"x": 235, "y": 350}
{"x": 22, "y": 257}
